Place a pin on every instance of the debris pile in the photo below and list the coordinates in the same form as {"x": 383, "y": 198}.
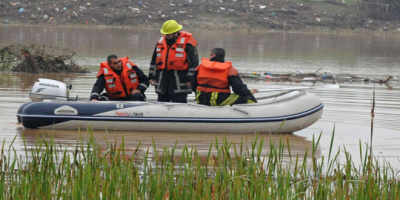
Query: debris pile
{"x": 35, "y": 59}
{"x": 314, "y": 77}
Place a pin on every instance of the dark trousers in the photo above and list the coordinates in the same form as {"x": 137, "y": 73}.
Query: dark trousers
{"x": 135, "y": 97}
{"x": 222, "y": 98}
{"x": 181, "y": 98}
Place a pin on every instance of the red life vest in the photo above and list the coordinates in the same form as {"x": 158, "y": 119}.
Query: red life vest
{"x": 115, "y": 83}
{"x": 213, "y": 76}
{"x": 176, "y": 53}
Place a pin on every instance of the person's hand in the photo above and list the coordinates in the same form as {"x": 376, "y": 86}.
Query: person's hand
{"x": 136, "y": 91}
{"x": 152, "y": 82}
{"x": 189, "y": 85}
{"x": 254, "y": 91}
{"x": 94, "y": 100}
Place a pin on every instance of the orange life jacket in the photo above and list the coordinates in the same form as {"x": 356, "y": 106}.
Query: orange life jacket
{"x": 213, "y": 76}
{"x": 115, "y": 83}
{"x": 176, "y": 54}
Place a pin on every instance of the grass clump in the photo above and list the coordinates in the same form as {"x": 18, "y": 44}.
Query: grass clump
{"x": 233, "y": 172}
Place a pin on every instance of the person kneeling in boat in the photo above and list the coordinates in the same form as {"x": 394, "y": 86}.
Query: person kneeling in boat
{"x": 122, "y": 80}
{"x": 213, "y": 79}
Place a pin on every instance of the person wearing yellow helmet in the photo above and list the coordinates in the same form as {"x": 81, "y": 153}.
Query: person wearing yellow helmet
{"x": 173, "y": 63}
{"x": 170, "y": 27}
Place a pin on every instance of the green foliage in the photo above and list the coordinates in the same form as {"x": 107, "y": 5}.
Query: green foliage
{"x": 88, "y": 172}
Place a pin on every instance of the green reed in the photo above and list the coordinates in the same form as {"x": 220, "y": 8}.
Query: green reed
{"x": 48, "y": 171}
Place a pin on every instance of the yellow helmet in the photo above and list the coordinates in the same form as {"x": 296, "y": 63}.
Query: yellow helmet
{"x": 170, "y": 26}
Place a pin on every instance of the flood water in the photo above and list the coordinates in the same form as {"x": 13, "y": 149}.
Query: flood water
{"x": 347, "y": 111}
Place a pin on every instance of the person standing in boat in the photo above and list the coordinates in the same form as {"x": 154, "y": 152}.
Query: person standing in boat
{"x": 213, "y": 79}
{"x": 122, "y": 80}
{"x": 173, "y": 62}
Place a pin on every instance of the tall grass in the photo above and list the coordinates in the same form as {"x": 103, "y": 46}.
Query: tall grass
{"x": 233, "y": 172}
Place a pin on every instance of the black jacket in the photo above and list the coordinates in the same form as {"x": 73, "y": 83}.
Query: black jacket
{"x": 235, "y": 82}
{"x": 100, "y": 84}
{"x": 174, "y": 82}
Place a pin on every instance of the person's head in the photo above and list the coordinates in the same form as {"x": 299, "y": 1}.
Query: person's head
{"x": 114, "y": 62}
{"x": 170, "y": 29}
{"x": 217, "y": 53}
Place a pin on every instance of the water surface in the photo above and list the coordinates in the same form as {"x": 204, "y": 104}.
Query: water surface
{"x": 347, "y": 111}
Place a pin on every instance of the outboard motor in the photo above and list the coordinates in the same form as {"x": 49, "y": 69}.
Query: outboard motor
{"x": 49, "y": 89}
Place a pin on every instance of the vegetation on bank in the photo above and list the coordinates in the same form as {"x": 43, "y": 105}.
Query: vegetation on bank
{"x": 234, "y": 172}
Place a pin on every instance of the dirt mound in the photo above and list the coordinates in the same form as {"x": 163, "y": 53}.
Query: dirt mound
{"x": 249, "y": 15}
{"x": 35, "y": 59}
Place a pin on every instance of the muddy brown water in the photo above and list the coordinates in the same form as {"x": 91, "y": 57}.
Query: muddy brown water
{"x": 347, "y": 111}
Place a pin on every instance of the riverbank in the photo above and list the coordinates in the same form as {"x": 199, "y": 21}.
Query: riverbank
{"x": 253, "y": 16}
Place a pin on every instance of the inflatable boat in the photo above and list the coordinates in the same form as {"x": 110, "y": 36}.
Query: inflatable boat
{"x": 283, "y": 113}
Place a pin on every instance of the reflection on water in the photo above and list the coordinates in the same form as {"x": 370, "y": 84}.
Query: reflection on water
{"x": 152, "y": 141}
{"x": 24, "y": 81}
{"x": 347, "y": 114}
{"x": 347, "y": 110}
{"x": 362, "y": 55}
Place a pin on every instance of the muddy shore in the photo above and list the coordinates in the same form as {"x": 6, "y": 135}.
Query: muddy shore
{"x": 236, "y": 15}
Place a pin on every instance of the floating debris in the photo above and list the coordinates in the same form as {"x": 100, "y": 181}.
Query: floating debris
{"x": 326, "y": 77}
{"x": 35, "y": 59}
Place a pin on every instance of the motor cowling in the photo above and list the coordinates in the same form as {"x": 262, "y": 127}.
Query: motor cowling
{"x": 49, "y": 89}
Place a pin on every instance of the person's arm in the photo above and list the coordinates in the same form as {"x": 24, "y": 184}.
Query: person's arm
{"x": 194, "y": 81}
{"x": 193, "y": 60}
{"x": 98, "y": 87}
{"x": 153, "y": 67}
{"x": 143, "y": 80}
{"x": 238, "y": 86}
